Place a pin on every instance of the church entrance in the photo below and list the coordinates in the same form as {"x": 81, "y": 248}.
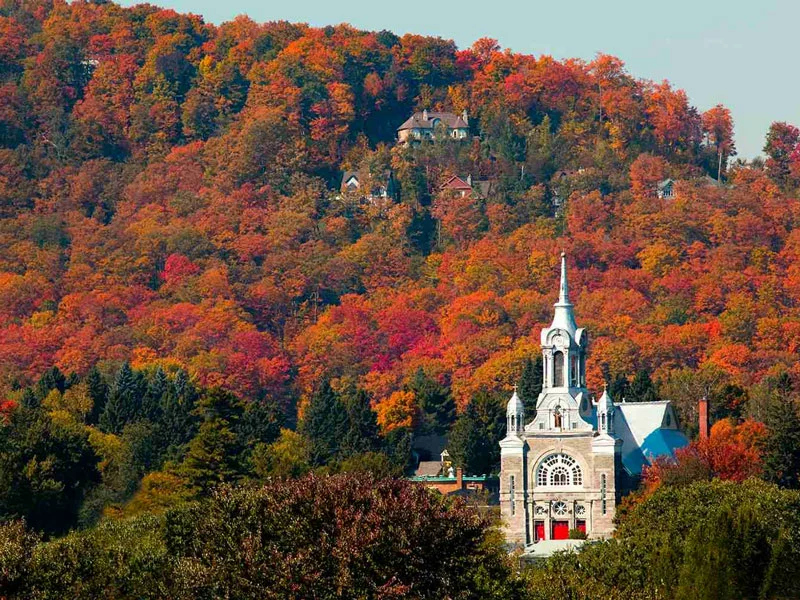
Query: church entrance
{"x": 538, "y": 531}
{"x": 560, "y": 530}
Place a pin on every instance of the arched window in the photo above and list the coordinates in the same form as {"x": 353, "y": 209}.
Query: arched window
{"x": 558, "y": 369}
{"x": 559, "y": 470}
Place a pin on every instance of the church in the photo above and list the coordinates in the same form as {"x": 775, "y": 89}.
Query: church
{"x": 567, "y": 466}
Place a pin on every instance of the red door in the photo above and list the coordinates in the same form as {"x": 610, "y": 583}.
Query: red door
{"x": 538, "y": 531}
{"x": 560, "y": 530}
{"x": 580, "y": 525}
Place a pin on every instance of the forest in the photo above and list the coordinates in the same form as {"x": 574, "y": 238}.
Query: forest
{"x": 192, "y": 304}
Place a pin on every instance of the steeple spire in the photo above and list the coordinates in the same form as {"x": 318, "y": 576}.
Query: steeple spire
{"x": 564, "y": 318}
{"x": 563, "y": 295}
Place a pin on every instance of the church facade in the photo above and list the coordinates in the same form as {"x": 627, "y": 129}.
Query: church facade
{"x": 566, "y": 466}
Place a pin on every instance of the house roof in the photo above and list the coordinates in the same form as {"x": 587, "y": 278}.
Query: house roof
{"x": 380, "y": 179}
{"x": 456, "y": 183}
{"x": 647, "y": 430}
{"x": 428, "y": 468}
{"x": 666, "y": 183}
{"x": 417, "y": 121}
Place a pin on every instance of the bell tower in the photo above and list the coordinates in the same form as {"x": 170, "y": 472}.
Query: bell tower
{"x": 563, "y": 405}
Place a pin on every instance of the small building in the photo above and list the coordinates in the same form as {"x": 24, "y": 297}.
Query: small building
{"x": 666, "y": 189}
{"x": 455, "y": 482}
{"x": 371, "y": 187}
{"x": 465, "y": 187}
{"x": 423, "y": 125}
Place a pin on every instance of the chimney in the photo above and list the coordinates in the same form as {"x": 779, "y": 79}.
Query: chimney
{"x": 425, "y": 114}
{"x": 702, "y": 415}
{"x": 460, "y": 478}
{"x": 465, "y": 116}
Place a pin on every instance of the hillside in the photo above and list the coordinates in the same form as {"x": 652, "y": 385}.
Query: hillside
{"x": 170, "y": 195}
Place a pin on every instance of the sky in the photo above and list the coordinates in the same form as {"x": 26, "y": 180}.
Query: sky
{"x": 735, "y": 52}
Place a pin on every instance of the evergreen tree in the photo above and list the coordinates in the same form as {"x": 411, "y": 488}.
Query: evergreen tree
{"x": 474, "y": 439}
{"x": 29, "y": 399}
{"x": 325, "y": 425}
{"x": 642, "y": 388}
{"x": 362, "y": 434}
{"x": 157, "y": 387}
{"x": 178, "y": 423}
{"x": 398, "y": 446}
{"x": 123, "y": 401}
{"x": 52, "y": 379}
{"x": 782, "y": 447}
{"x": 530, "y": 385}
{"x": 260, "y": 423}
{"x": 435, "y": 402}
{"x": 212, "y": 456}
{"x": 619, "y": 388}
{"x": 98, "y": 392}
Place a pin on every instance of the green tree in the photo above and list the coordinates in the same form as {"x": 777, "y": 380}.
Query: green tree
{"x": 781, "y": 454}
{"x": 98, "y": 392}
{"x": 362, "y": 431}
{"x": 212, "y": 457}
{"x": 46, "y": 469}
{"x": 473, "y": 441}
{"x": 287, "y": 456}
{"x": 641, "y": 388}
{"x": 325, "y": 424}
{"x": 530, "y": 385}
{"x": 123, "y": 402}
{"x": 435, "y": 402}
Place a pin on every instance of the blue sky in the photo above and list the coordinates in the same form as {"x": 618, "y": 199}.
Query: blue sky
{"x": 741, "y": 54}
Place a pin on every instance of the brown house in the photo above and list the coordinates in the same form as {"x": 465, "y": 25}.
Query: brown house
{"x": 422, "y": 126}
{"x": 465, "y": 187}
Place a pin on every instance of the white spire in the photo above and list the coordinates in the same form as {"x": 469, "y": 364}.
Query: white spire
{"x": 564, "y": 318}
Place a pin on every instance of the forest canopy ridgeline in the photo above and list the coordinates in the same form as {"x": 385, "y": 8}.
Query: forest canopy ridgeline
{"x": 170, "y": 196}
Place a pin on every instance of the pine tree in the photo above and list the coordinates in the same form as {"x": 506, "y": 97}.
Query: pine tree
{"x": 178, "y": 424}
{"x": 98, "y": 392}
{"x": 473, "y": 441}
{"x": 362, "y": 435}
{"x": 52, "y": 379}
{"x": 212, "y": 456}
{"x": 642, "y": 388}
{"x": 530, "y": 385}
{"x": 782, "y": 447}
{"x": 435, "y": 402}
{"x": 325, "y": 425}
{"x": 157, "y": 387}
{"x": 260, "y": 423}
{"x": 123, "y": 401}
{"x": 619, "y": 388}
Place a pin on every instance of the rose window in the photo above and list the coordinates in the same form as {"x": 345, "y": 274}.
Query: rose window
{"x": 559, "y": 470}
{"x": 560, "y": 508}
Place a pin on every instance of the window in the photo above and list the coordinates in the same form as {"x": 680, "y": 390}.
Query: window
{"x": 603, "y": 493}
{"x": 559, "y": 470}
{"x": 558, "y": 369}
{"x": 511, "y": 495}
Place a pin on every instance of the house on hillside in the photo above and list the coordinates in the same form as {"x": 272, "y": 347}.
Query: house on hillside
{"x": 370, "y": 187}
{"x": 466, "y": 187}
{"x": 666, "y": 189}
{"x": 422, "y": 126}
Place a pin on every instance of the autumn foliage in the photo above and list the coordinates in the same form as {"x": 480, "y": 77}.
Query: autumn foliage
{"x": 170, "y": 197}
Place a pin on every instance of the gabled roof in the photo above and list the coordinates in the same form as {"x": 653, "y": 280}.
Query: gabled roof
{"x": 647, "y": 430}
{"x": 360, "y": 176}
{"x": 456, "y": 183}
{"x": 418, "y": 121}
{"x": 665, "y": 184}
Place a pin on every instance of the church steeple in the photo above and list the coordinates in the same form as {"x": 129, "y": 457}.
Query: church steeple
{"x": 564, "y": 317}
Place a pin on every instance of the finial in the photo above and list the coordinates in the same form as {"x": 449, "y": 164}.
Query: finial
{"x": 515, "y": 388}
